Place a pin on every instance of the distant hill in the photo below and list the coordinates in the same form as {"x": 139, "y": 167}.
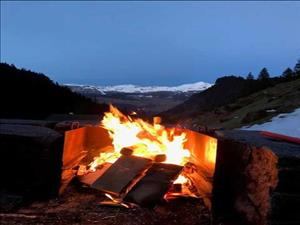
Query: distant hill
{"x": 27, "y": 94}
{"x": 234, "y": 101}
{"x": 146, "y": 100}
{"x": 130, "y": 88}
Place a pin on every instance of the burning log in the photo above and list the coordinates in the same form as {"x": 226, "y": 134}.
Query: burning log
{"x": 126, "y": 151}
{"x": 91, "y": 177}
{"x": 120, "y": 142}
{"x": 119, "y": 175}
{"x": 176, "y": 188}
{"x": 201, "y": 182}
{"x": 160, "y": 158}
{"x": 154, "y": 185}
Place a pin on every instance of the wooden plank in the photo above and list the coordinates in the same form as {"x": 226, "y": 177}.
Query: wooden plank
{"x": 119, "y": 175}
{"x": 91, "y": 177}
{"x": 153, "y": 186}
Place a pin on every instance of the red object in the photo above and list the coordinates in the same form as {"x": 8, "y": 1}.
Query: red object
{"x": 280, "y": 137}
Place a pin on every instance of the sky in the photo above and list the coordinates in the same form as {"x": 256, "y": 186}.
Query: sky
{"x": 149, "y": 43}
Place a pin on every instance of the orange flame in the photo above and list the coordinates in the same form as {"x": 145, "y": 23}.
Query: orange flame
{"x": 145, "y": 139}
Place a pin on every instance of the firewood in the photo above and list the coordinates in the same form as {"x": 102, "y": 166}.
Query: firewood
{"x": 126, "y": 151}
{"x": 114, "y": 204}
{"x": 176, "y": 188}
{"x": 91, "y": 177}
{"x": 160, "y": 158}
{"x": 189, "y": 168}
{"x": 120, "y": 174}
{"x": 153, "y": 186}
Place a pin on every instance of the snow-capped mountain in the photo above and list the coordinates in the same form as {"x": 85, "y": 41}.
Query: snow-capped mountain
{"x": 129, "y": 88}
{"x": 150, "y": 99}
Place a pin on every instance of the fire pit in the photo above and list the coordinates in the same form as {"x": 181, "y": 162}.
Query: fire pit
{"x": 137, "y": 163}
{"x": 223, "y": 177}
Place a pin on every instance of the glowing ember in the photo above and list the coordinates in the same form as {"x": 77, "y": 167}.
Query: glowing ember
{"x": 145, "y": 139}
{"x": 132, "y": 135}
{"x": 181, "y": 180}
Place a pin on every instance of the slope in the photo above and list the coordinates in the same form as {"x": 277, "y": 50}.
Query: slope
{"x": 219, "y": 111}
{"x": 26, "y": 94}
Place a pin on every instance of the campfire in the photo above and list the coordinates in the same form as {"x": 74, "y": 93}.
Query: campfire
{"x": 134, "y": 162}
{"x": 241, "y": 177}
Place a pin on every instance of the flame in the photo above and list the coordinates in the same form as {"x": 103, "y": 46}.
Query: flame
{"x": 145, "y": 139}
{"x": 181, "y": 180}
{"x": 132, "y": 135}
{"x": 211, "y": 152}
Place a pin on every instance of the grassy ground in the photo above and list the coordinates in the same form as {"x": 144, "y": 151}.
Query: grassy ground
{"x": 255, "y": 108}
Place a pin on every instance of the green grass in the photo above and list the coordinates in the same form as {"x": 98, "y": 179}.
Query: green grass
{"x": 283, "y": 97}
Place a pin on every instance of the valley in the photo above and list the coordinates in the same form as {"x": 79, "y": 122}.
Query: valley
{"x": 145, "y": 100}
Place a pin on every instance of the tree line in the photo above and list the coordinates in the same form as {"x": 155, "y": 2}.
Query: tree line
{"x": 27, "y": 94}
{"x": 288, "y": 74}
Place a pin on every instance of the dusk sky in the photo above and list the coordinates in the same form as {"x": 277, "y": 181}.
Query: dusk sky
{"x": 149, "y": 43}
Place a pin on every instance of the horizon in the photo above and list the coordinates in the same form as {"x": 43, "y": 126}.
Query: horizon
{"x": 149, "y": 43}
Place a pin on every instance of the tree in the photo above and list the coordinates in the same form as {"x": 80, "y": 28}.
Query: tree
{"x": 250, "y": 76}
{"x": 263, "y": 74}
{"x": 288, "y": 73}
{"x": 297, "y": 68}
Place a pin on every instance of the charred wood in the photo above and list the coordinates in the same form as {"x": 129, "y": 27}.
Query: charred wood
{"x": 126, "y": 151}
{"x": 154, "y": 185}
{"x": 119, "y": 175}
{"x": 160, "y": 158}
{"x": 91, "y": 177}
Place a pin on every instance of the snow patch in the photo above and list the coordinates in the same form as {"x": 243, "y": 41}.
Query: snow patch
{"x": 286, "y": 123}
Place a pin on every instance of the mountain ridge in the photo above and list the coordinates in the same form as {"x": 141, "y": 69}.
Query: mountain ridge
{"x": 130, "y": 88}
{"x": 143, "y": 99}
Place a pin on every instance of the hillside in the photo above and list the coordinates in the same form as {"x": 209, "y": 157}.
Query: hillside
{"x": 237, "y": 104}
{"x": 27, "y": 94}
